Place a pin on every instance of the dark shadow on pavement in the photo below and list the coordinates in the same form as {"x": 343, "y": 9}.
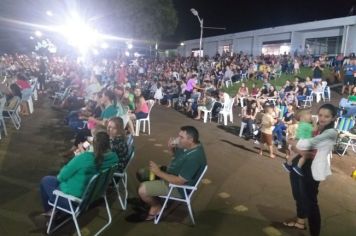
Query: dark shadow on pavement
{"x": 235, "y": 130}
{"x": 238, "y": 145}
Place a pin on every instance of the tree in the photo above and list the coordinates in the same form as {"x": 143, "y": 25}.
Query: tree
{"x": 139, "y": 19}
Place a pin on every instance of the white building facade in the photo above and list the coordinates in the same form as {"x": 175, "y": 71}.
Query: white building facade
{"x": 330, "y": 37}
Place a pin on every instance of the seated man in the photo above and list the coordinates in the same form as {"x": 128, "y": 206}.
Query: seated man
{"x": 185, "y": 169}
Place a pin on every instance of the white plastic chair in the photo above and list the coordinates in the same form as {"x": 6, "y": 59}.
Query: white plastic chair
{"x": 308, "y": 101}
{"x": 150, "y": 104}
{"x": 343, "y": 125}
{"x": 188, "y": 193}
{"x": 122, "y": 176}
{"x": 2, "y": 121}
{"x": 228, "y": 83}
{"x": 34, "y": 89}
{"x": 243, "y": 76}
{"x": 208, "y": 112}
{"x": 95, "y": 190}
{"x": 227, "y": 111}
{"x": 61, "y": 95}
{"x": 243, "y": 125}
{"x": 327, "y": 93}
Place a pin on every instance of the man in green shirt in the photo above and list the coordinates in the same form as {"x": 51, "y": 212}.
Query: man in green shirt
{"x": 185, "y": 168}
{"x": 109, "y": 111}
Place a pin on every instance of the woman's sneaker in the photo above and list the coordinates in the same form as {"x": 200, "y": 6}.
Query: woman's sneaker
{"x": 298, "y": 170}
{"x": 287, "y": 167}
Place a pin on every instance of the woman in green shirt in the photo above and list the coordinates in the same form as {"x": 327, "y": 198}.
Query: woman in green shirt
{"x": 74, "y": 177}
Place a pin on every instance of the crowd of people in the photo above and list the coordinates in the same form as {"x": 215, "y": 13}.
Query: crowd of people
{"x": 104, "y": 98}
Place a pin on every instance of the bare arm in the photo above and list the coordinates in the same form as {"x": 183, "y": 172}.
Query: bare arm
{"x": 173, "y": 179}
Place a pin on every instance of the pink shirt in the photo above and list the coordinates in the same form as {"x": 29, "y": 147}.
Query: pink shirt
{"x": 143, "y": 108}
{"x": 23, "y": 84}
{"x": 190, "y": 85}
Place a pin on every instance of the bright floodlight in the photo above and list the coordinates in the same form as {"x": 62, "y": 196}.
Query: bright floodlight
{"x": 129, "y": 45}
{"x": 104, "y": 45}
{"x": 195, "y": 12}
{"x": 38, "y": 33}
{"x": 127, "y": 53}
{"x": 32, "y": 38}
{"x": 79, "y": 34}
{"x": 49, "y": 13}
{"x": 181, "y": 44}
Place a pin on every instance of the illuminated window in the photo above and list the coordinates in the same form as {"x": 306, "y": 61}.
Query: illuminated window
{"x": 195, "y": 52}
{"x": 226, "y": 48}
{"x": 276, "y": 47}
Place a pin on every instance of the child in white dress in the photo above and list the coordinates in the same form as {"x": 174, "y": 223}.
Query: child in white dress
{"x": 158, "y": 93}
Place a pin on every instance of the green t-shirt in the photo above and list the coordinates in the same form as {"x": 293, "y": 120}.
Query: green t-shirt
{"x": 109, "y": 112}
{"x": 189, "y": 164}
{"x": 75, "y": 176}
{"x": 131, "y": 102}
{"x": 304, "y": 130}
{"x": 352, "y": 98}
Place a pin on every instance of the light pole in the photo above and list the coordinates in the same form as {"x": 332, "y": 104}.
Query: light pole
{"x": 195, "y": 12}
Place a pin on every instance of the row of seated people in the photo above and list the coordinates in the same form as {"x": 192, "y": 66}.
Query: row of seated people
{"x": 16, "y": 89}
{"x": 290, "y": 93}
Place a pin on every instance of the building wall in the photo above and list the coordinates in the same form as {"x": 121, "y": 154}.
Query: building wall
{"x": 210, "y": 48}
{"x": 351, "y": 40}
{"x": 297, "y": 42}
{"x": 322, "y": 33}
{"x": 245, "y": 45}
{"x": 251, "y": 42}
{"x": 259, "y": 40}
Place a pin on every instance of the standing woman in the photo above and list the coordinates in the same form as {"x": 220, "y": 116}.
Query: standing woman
{"x": 316, "y": 169}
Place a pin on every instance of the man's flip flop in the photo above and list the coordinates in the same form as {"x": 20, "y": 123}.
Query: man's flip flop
{"x": 150, "y": 217}
{"x": 295, "y": 225}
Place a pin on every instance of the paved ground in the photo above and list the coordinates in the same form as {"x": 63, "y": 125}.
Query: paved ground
{"x": 240, "y": 195}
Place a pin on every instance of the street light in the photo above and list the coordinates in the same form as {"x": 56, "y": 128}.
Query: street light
{"x": 38, "y": 33}
{"x": 49, "y": 13}
{"x": 195, "y": 12}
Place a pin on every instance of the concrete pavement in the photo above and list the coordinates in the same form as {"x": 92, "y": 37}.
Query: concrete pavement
{"x": 241, "y": 194}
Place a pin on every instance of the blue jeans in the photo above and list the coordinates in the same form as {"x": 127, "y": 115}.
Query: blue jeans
{"x": 47, "y": 186}
{"x": 278, "y": 131}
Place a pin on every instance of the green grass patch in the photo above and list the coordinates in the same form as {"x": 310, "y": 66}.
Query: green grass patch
{"x": 278, "y": 83}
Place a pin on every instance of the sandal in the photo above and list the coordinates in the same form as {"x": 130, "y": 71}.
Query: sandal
{"x": 295, "y": 225}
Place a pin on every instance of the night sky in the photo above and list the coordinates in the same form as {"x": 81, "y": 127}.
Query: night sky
{"x": 237, "y": 16}
{"x": 234, "y": 15}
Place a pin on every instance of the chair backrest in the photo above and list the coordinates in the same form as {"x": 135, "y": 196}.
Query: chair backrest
{"x": 14, "y": 104}
{"x": 150, "y": 104}
{"x": 228, "y": 105}
{"x": 282, "y": 111}
{"x": 130, "y": 149}
{"x": 34, "y": 85}
{"x": 201, "y": 176}
{"x": 66, "y": 92}
{"x": 2, "y": 104}
{"x": 96, "y": 187}
{"x": 344, "y": 124}
{"x": 26, "y": 94}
